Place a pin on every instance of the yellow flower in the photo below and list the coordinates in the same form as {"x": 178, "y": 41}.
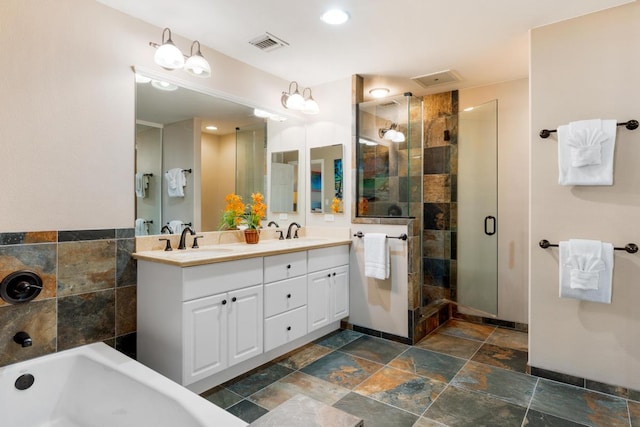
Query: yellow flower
{"x": 336, "y": 204}
{"x": 232, "y": 215}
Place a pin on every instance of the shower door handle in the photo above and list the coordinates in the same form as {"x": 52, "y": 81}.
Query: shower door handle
{"x": 493, "y": 225}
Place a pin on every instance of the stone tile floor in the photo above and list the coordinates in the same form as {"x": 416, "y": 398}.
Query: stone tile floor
{"x": 463, "y": 374}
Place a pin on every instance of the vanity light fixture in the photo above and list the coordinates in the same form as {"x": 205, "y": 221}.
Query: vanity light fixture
{"x": 196, "y": 64}
{"x": 391, "y": 133}
{"x": 310, "y": 104}
{"x": 293, "y": 100}
{"x": 379, "y": 92}
{"x": 335, "y": 17}
{"x": 169, "y": 57}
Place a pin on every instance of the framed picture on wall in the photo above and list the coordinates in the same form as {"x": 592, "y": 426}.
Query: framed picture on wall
{"x": 316, "y": 181}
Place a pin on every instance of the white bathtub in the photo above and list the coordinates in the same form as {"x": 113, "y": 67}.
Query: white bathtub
{"x": 96, "y": 386}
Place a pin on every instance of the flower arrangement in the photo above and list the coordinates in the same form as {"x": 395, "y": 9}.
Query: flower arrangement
{"x": 236, "y": 213}
{"x": 336, "y": 205}
{"x": 232, "y": 215}
{"x": 257, "y": 210}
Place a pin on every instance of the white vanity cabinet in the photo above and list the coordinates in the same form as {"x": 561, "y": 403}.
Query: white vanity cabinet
{"x": 327, "y": 286}
{"x": 285, "y": 298}
{"x": 196, "y": 321}
{"x": 201, "y": 325}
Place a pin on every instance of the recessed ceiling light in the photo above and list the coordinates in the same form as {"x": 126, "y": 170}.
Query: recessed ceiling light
{"x": 468, "y": 109}
{"x": 335, "y": 17}
{"x": 211, "y": 127}
{"x": 379, "y": 92}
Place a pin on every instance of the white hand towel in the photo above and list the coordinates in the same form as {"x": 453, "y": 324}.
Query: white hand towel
{"x": 376, "y": 256}
{"x": 142, "y": 183}
{"x": 141, "y": 227}
{"x": 175, "y": 226}
{"x": 176, "y": 181}
{"x": 586, "y": 270}
{"x": 585, "y": 152}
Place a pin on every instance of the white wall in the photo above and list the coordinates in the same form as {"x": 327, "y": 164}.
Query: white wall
{"x": 581, "y": 69}
{"x": 513, "y": 191}
{"x": 67, "y": 139}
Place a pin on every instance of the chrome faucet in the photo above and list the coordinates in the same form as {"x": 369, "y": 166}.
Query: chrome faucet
{"x": 23, "y": 339}
{"x": 183, "y": 237}
{"x": 295, "y": 235}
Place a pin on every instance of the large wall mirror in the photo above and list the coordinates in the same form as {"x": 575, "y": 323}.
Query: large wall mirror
{"x": 326, "y": 179}
{"x": 210, "y": 146}
{"x": 284, "y": 182}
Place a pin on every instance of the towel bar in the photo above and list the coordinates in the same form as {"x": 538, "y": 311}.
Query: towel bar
{"x": 403, "y": 236}
{"x": 631, "y": 248}
{"x": 631, "y": 125}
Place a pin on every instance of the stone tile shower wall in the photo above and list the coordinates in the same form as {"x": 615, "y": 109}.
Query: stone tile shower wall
{"x": 440, "y": 197}
{"x": 88, "y": 295}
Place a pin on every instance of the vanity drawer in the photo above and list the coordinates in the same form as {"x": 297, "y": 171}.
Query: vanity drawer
{"x": 285, "y": 327}
{"x": 285, "y": 295}
{"x": 284, "y": 266}
{"x": 324, "y": 258}
{"x": 210, "y": 279}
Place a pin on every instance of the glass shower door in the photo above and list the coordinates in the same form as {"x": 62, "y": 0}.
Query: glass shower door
{"x": 477, "y": 237}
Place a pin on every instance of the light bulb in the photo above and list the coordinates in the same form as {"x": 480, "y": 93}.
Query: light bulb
{"x": 311, "y": 107}
{"x": 198, "y": 66}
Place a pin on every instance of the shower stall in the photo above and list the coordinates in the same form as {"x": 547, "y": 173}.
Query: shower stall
{"x": 389, "y": 157}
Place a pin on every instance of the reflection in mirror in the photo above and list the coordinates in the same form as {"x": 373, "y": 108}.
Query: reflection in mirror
{"x": 194, "y": 131}
{"x": 326, "y": 178}
{"x": 284, "y": 181}
{"x": 148, "y": 177}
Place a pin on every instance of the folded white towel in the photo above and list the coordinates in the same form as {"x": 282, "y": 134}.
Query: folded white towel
{"x": 141, "y": 227}
{"x": 176, "y": 180}
{"x": 142, "y": 183}
{"x": 376, "y": 256}
{"x": 175, "y": 226}
{"x": 585, "y": 152}
{"x": 586, "y": 270}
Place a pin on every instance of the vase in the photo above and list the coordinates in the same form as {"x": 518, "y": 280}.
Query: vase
{"x": 251, "y": 236}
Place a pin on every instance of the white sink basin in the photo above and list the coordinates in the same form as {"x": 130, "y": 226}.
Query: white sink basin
{"x": 197, "y": 253}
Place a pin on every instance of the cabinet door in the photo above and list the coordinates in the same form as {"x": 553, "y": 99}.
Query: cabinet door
{"x": 319, "y": 299}
{"x": 245, "y": 323}
{"x": 204, "y": 338}
{"x": 340, "y": 292}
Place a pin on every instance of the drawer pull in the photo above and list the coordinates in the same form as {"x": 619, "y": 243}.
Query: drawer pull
{"x": 234, "y": 299}
{"x": 224, "y": 301}
{"x": 288, "y": 295}
{"x": 288, "y": 328}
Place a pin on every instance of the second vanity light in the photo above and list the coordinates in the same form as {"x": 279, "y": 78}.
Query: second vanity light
{"x": 169, "y": 57}
{"x": 293, "y": 100}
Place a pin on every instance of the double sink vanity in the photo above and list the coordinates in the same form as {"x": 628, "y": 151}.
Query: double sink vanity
{"x": 209, "y": 314}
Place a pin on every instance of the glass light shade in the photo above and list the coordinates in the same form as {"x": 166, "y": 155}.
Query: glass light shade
{"x": 169, "y": 56}
{"x": 390, "y": 135}
{"x": 295, "y": 101}
{"x": 142, "y": 79}
{"x": 198, "y": 66}
{"x": 311, "y": 107}
{"x": 398, "y": 137}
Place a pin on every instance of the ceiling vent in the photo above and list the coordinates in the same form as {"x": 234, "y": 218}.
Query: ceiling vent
{"x": 441, "y": 77}
{"x": 268, "y": 42}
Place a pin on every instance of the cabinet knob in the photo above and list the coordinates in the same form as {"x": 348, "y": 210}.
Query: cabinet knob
{"x": 224, "y": 301}
{"x": 234, "y": 299}
{"x": 288, "y": 266}
{"x": 288, "y": 295}
{"x": 288, "y": 328}
{"x": 329, "y": 275}
{"x": 334, "y": 274}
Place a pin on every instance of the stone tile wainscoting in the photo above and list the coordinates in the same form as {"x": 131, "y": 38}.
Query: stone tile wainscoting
{"x": 88, "y": 295}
